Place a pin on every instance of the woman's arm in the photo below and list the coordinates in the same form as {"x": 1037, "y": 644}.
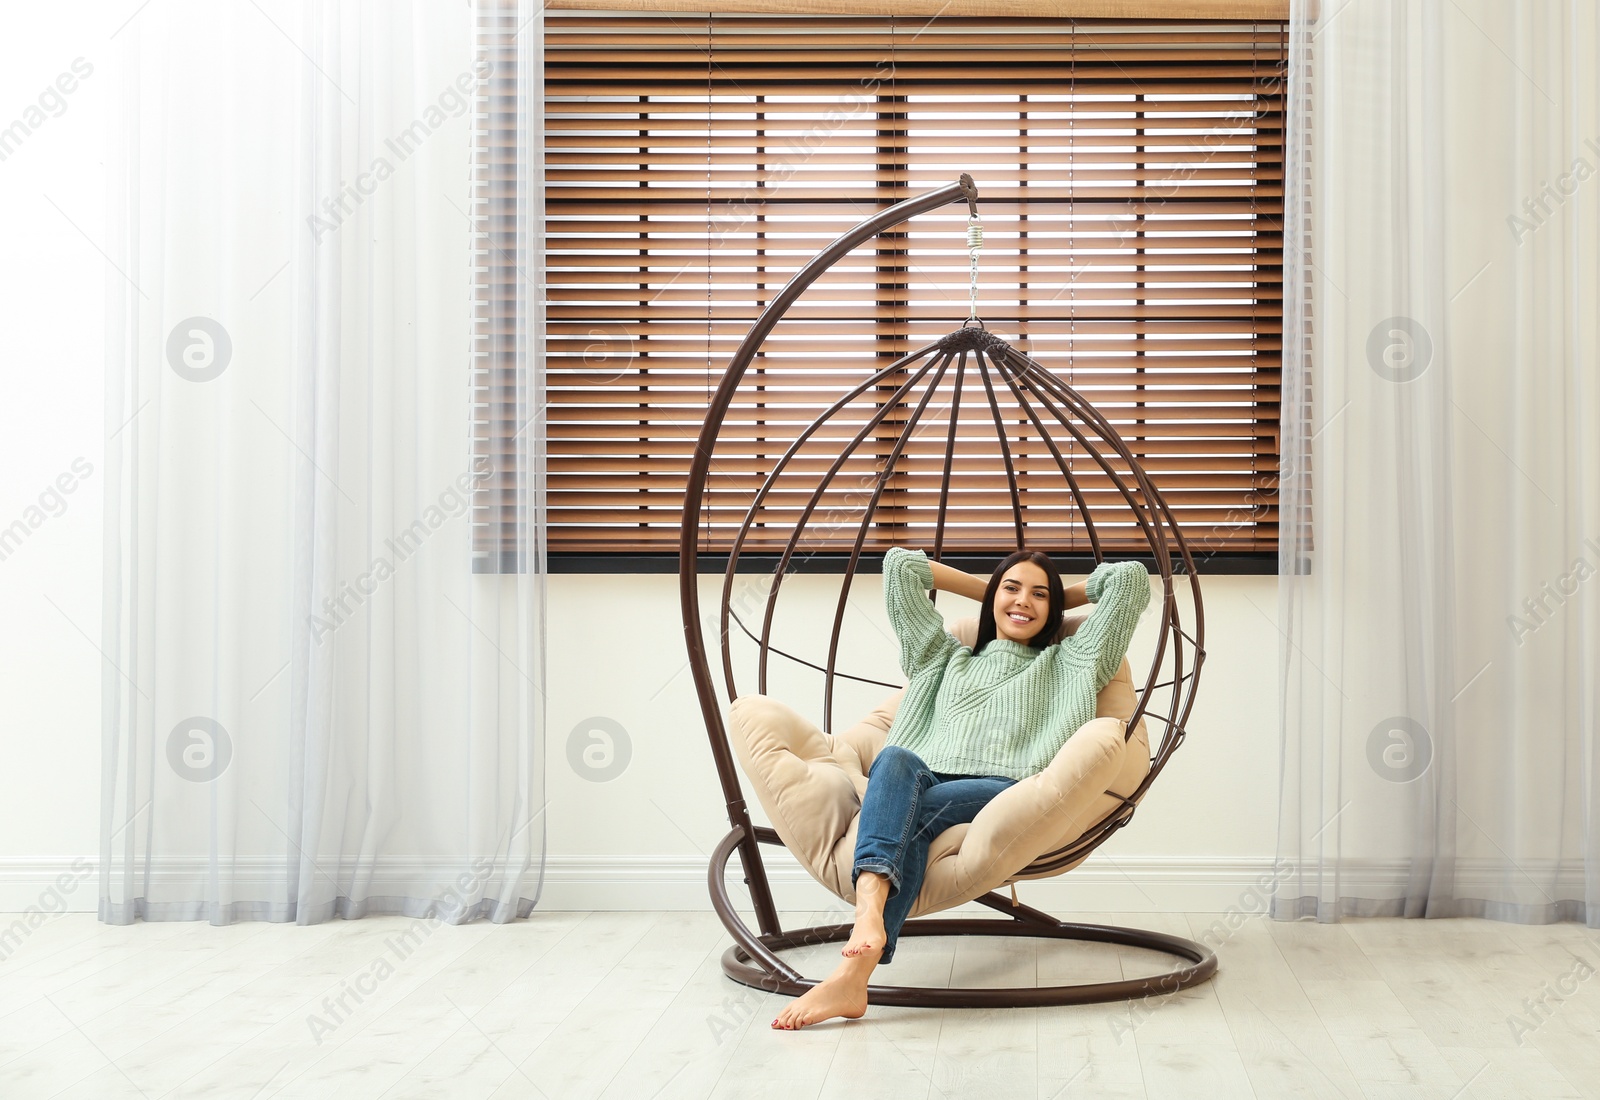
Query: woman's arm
{"x": 917, "y": 623}
{"x": 1121, "y": 592}
{"x": 1076, "y": 594}
{"x": 947, "y": 579}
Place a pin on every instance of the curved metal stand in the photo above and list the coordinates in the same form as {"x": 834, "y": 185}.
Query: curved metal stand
{"x": 1055, "y": 410}
{"x": 776, "y": 976}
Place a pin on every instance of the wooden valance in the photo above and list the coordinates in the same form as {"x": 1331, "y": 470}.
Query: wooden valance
{"x": 1260, "y": 10}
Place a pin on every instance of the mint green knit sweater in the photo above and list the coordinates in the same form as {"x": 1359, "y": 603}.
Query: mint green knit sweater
{"x": 1008, "y": 710}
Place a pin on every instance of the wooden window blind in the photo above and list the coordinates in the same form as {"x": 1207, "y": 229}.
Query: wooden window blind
{"x": 1130, "y": 177}
{"x": 984, "y": 9}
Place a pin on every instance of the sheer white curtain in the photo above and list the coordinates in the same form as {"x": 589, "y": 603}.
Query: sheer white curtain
{"x": 1441, "y": 641}
{"x": 313, "y": 706}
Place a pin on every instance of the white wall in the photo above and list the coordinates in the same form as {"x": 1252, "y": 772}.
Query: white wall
{"x": 1198, "y": 841}
{"x": 639, "y": 840}
{"x": 52, "y": 213}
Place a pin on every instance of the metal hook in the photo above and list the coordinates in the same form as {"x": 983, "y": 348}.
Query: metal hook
{"x": 970, "y": 190}
{"x": 974, "y": 247}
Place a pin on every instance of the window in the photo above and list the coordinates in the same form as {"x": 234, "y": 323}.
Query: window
{"x": 1130, "y": 177}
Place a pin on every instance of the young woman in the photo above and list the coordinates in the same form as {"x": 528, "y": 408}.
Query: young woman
{"x": 972, "y": 722}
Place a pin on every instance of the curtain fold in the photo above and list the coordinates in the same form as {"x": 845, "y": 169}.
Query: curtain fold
{"x": 313, "y": 706}
{"x": 1441, "y": 533}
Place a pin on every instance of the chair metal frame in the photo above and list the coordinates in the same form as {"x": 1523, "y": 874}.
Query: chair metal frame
{"x": 753, "y": 960}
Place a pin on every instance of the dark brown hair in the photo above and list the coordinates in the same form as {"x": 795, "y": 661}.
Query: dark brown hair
{"x": 1051, "y": 622}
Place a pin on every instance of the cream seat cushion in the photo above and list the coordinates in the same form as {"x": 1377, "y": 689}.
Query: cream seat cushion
{"x": 811, "y": 785}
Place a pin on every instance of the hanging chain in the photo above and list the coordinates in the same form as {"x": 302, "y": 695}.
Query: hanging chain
{"x": 974, "y": 246}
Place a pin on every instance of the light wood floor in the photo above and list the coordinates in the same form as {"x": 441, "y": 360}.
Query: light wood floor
{"x": 634, "y": 1006}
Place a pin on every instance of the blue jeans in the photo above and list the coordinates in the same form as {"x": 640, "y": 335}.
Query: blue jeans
{"x": 905, "y": 807}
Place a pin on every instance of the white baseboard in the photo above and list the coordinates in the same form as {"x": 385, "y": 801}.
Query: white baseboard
{"x": 1096, "y": 886}
{"x": 1128, "y": 884}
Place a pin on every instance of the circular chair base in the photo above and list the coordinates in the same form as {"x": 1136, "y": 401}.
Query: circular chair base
{"x": 776, "y": 976}
{"x": 738, "y": 965}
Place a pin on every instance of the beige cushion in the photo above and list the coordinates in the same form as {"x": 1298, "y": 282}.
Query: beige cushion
{"x": 810, "y": 785}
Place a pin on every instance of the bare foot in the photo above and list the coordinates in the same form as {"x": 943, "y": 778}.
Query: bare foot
{"x": 868, "y": 935}
{"x": 842, "y": 993}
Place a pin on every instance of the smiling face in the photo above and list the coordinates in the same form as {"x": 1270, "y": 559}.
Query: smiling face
{"x": 1021, "y": 602}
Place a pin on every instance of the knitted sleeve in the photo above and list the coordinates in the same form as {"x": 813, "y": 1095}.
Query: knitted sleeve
{"x": 1120, "y": 591}
{"x": 924, "y": 642}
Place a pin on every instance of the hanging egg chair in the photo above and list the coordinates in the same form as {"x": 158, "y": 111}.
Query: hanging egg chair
{"x": 1060, "y": 467}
